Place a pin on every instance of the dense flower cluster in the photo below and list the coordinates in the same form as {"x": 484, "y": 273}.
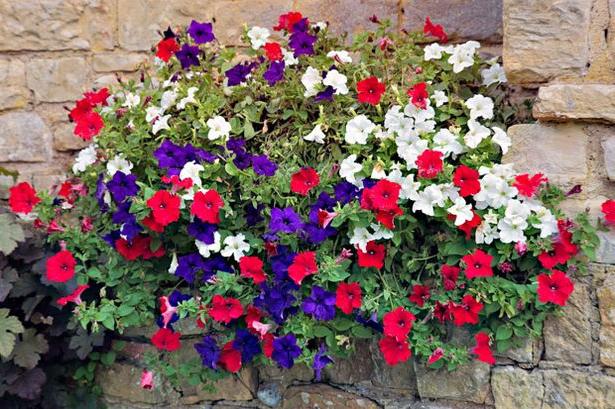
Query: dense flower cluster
{"x": 302, "y": 195}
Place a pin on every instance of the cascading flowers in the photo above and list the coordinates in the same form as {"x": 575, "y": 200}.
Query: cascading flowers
{"x": 296, "y": 195}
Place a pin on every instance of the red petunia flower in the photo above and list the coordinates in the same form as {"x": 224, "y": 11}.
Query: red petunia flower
{"x": 252, "y": 267}
{"x": 23, "y": 198}
{"x": 466, "y": 179}
{"x": 165, "y": 207}
{"x": 373, "y": 256}
{"x": 466, "y": 312}
{"x": 166, "y": 340}
{"x": 435, "y": 356}
{"x": 370, "y": 91}
{"x": 565, "y": 237}
{"x": 442, "y": 312}
{"x": 527, "y": 185}
{"x": 225, "y": 309}
{"x": 89, "y": 125}
{"x": 418, "y": 95}
{"x": 82, "y": 107}
{"x": 166, "y": 310}
{"x": 482, "y": 350}
{"x": 387, "y": 217}
{"x": 325, "y": 218}
{"x": 478, "y": 264}
{"x": 303, "y": 181}
{"x": 287, "y": 21}
{"x": 268, "y": 345}
{"x": 398, "y": 323}
{"x": 420, "y": 294}
{"x": 382, "y": 196}
{"x": 557, "y": 255}
{"x": 253, "y": 314}
{"x": 348, "y": 297}
{"x": 230, "y": 358}
{"x": 152, "y": 224}
{"x": 74, "y": 297}
{"x": 132, "y": 250}
{"x": 61, "y": 267}
{"x": 429, "y": 163}
{"x": 273, "y": 51}
{"x": 177, "y": 183}
{"x": 608, "y": 209}
{"x": 554, "y": 288}
{"x": 147, "y": 252}
{"x": 394, "y": 350}
{"x": 469, "y": 226}
{"x": 97, "y": 97}
{"x": 166, "y": 48}
{"x": 434, "y": 30}
{"x": 303, "y": 265}
{"x": 206, "y": 206}
{"x": 450, "y": 274}
{"x": 147, "y": 379}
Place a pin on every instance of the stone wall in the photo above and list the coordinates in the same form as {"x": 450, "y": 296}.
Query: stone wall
{"x": 52, "y": 50}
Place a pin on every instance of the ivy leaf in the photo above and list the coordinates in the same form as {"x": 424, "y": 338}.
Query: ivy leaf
{"x": 83, "y": 343}
{"x": 28, "y": 351}
{"x": 8, "y": 277}
{"x": 11, "y": 234}
{"x": 9, "y": 328}
{"x": 29, "y": 384}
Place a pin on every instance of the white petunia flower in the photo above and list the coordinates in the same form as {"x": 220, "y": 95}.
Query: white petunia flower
{"x": 501, "y": 139}
{"x": 191, "y": 171}
{"x": 480, "y": 106}
{"x": 311, "y": 79}
{"x": 360, "y": 237}
{"x": 85, "y": 158}
{"x": 336, "y": 80}
{"x": 493, "y": 74}
{"x": 517, "y": 209}
{"x": 153, "y": 112}
{"x": 439, "y": 98}
{"x": 131, "y": 100}
{"x": 409, "y": 188}
{"x": 289, "y": 58}
{"x": 381, "y": 232}
{"x": 461, "y": 210}
{"x": 427, "y": 199}
{"x": 463, "y": 56}
{"x": 394, "y": 119}
{"x": 349, "y": 167}
{"x": 161, "y": 123}
{"x": 511, "y": 229}
{"x": 235, "y": 246}
{"x": 342, "y": 56}
{"x": 205, "y": 249}
{"x": 118, "y": 164}
{"x": 189, "y": 99}
{"x": 218, "y": 127}
{"x": 174, "y": 264}
{"x": 378, "y": 172}
{"x": 433, "y": 51}
{"x": 447, "y": 142}
{"x": 476, "y": 134}
{"x": 494, "y": 192}
{"x": 485, "y": 233}
{"x": 317, "y": 135}
{"x": 258, "y": 36}
{"x": 167, "y": 99}
{"x": 547, "y": 222}
{"x": 358, "y": 129}
{"x": 409, "y": 149}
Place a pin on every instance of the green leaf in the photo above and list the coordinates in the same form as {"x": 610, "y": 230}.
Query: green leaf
{"x": 83, "y": 343}
{"x": 11, "y": 234}
{"x": 503, "y": 332}
{"x": 321, "y": 331}
{"x": 28, "y": 350}
{"x": 361, "y": 332}
{"x": 9, "y": 328}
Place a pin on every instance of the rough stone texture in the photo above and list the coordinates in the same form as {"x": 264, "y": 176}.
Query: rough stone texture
{"x": 458, "y": 18}
{"x": 56, "y": 117}
{"x": 532, "y": 150}
{"x": 468, "y": 383}
{"x": 578, "y": 390}
{"x": 13, "y": 77}
{"x": 592, "y": 102}
{"x": 606, "y": 305}
{"x": 514, "y": 388}
{"x": 24, "y": 137}
{"x": 528, "y": 353}
{"x": 359, "y": 367}
{"x": 568, "y": 337}
{"x": 402, "y": 377}
{"x": 608, "y": 147}
{"x": 323, "y": 396}
{"x": 57, "y": 80}
{"x": 606, "y": 250}
{"x": 56, "y": 25}
{"x": 545, "y": 39}
{"x": 114, "y": 62}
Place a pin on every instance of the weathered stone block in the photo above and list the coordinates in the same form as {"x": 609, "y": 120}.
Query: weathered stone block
{"x": 606, "y": 250}
{"x": 357, "y": 368}
{"x": 568, "y": 337}
{"x": 24, "y": 137}
{"x": 323, "y": 396}
{"x": 467, "y": 383}
{"x": 561, "y": 102}
{"x": 57, "y": 80}
{"x": 606, "y": 305}
{"x": 13, "y": 77}
{"x": 458, "y": 18}
{"x": 402, "y": 377}
{"x": 527, "y": 353}
{"x": 514, "y": 388}
{"x": 238, "y": 388}
{"x": 545, "y": 39}
{"x": 56, "y": 25}
{"x": 114, "y": 62}
{"x": 285, "y": 377}
{"x": 608, "y": 148}
{"x": 568, "y": 389}
{"x": 557, "y": 150}
{"x": 121, "y": 383}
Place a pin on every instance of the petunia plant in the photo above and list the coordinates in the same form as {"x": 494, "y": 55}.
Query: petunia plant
{"x": 296, "y": 194}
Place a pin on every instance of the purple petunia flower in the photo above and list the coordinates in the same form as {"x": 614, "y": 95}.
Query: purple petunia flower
{"x": 325, "y": 95}
{"x": 284, "y": 220}
{"x": 345, "y": 192}
{"x": 236, "y": 145}
{"x": 202, "y": 231}
{"x": 281, "y": 262}
{"x": 122, "y": 186}
{"x": 242, "y": 160}
{"x": 314, "y": 234}
{"x": 101, "y": 189}
{"x": 275, "y": 72}
{"x": 370, "y": 322}
{"x": 247, "y": 344}
{"x": 122, "y": 213}
{"x": 177, "y": 296}
{"x": 320, "y": 304}
{"x": 214, "y": 264}
{"x": 324, "y": 202}
{"x": 301, "y": 25}
{"x": 263, "y": 166}
{"x": 321, "y": 360}
{"x": 302, "y": 43}
{"x": 111, "y": 237}
{"x": 169, "y": 155}
{"x": 188, "y": 56}
{"x": 253, "y": 214}
{"x": 239, "y": 73}
{"x": 209, "y": 351}
{"x": 201, "y": 33}
{"x": 190, "y": 153}
{"x": 130, "y": 230}
{"x": 277, "y": 300}
{"x": 188, "y": 265}
{"x": 285, "y": 350}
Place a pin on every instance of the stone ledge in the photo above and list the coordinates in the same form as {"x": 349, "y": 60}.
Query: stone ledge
{"x": 588, "y": 102}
